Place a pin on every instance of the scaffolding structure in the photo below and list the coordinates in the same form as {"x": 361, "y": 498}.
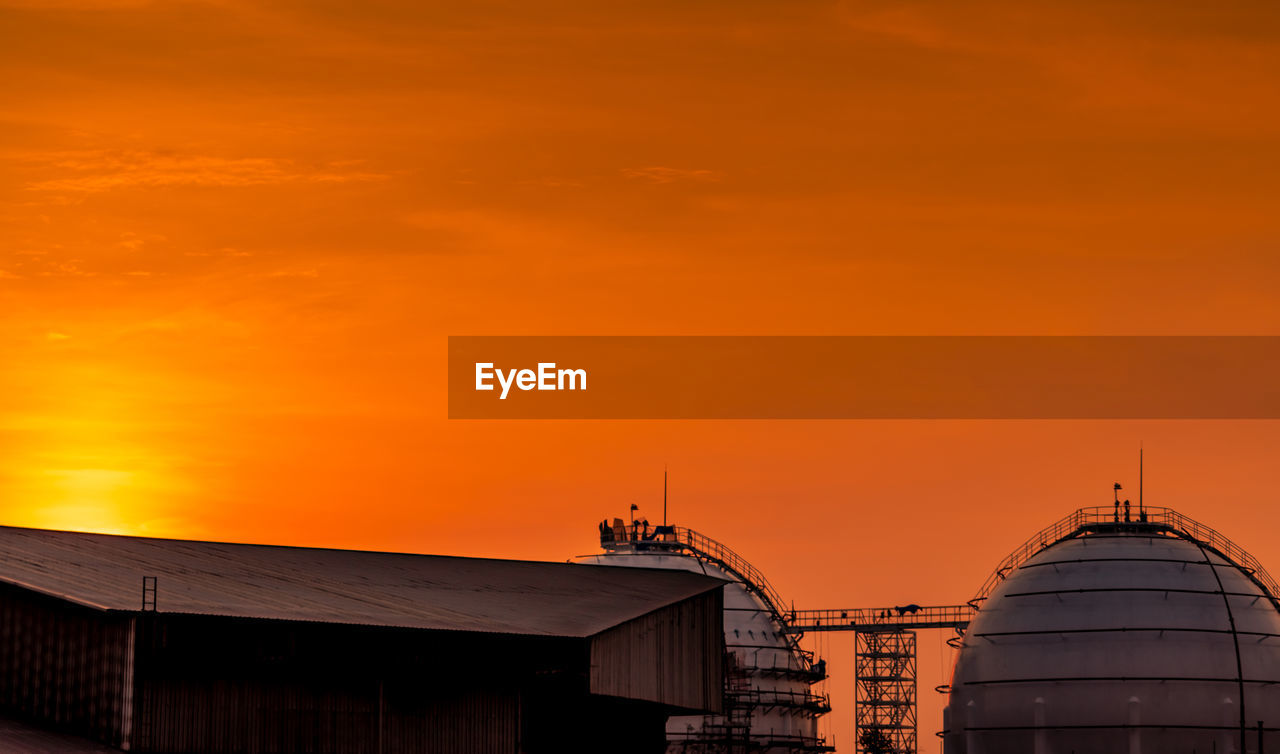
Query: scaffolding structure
{"x": 885, "y": 646}
{"x": 886, "y": 692}
{"x": 731, "y": 732}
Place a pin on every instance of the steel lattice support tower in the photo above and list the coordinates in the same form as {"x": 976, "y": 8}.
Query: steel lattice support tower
{"x": 886, "y": 686}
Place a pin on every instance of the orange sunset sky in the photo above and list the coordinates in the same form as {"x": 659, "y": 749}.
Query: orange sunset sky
{"x": 235, "y": 235}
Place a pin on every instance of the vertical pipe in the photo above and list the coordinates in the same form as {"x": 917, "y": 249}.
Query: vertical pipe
{"x": 1041, "y": 740}
{"x": 1140, "y": 506}
{"x": 1228, "y": 721}
{"x": 971, "y": 743}
{"x": 130, "y": 640}
{"x": 1135, "y": 733}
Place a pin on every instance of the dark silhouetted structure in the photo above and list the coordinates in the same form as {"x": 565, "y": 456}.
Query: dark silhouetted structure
{"x": 161, "y": 645}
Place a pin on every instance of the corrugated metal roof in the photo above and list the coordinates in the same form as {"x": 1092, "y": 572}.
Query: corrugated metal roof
{"x": 338, "y": 586}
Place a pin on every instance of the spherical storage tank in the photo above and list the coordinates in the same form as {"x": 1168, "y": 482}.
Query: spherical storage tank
{"x": 1155, "y": 635}
{"x": 771, "y": 706}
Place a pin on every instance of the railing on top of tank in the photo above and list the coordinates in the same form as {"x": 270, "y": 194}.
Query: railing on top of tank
{"x": 707, "y": 548}
{"x": 1166, "y": 519}
{"x": 734, "y": 563}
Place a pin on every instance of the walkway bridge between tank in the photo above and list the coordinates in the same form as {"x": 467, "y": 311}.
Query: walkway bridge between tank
{"x": 881, "y": 619}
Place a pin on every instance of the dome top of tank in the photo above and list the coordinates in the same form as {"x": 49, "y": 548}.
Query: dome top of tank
{"x": 1104, "y": 634}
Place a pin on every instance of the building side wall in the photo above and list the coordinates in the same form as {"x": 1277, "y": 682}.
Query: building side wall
{"x": 485, "y": 721}
{"x": 568, "y": 721}
{"x": 210, "y": 684}
{"x": 265, "y": 717}
{"x": 672, "y": 656}
{"x": 66, "y": 666}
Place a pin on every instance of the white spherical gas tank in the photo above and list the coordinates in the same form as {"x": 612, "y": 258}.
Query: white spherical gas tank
{"x": 770, "y": 703}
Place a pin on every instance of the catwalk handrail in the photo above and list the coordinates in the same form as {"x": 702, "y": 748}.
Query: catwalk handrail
{"x": 869, "y": 619}
{"x": 735, "y": 564}
{"x": 1096, "y": 518}
{"x": 772, "y": 697}
{"x": 702, "y": 546}
{"x": 789, "y": 741}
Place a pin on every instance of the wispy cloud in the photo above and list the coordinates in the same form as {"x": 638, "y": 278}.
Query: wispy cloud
{"x": 133, "y": 241}
{"x": 1088, "y": 56}
{"x": 309, "y": 272}
{"x": 67, "y": 268}
{"x": 95, "y": 171}
{"x": 227, "y": 251}
{"x": 659, "y": 174}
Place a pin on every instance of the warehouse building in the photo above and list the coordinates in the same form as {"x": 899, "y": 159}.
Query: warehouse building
{"x": 158, "y": 645}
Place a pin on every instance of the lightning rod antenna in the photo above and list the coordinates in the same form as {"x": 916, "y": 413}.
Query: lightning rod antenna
{"x": 1140, "y": 475}
{"x": 664, "y": 495}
